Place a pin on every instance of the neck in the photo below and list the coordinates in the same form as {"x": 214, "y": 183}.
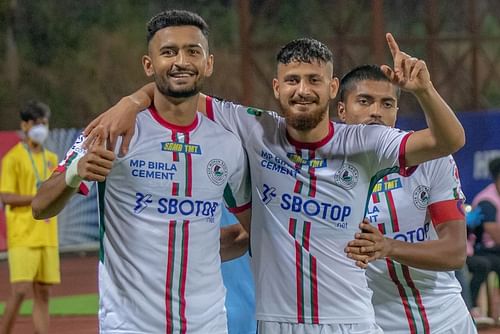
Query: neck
{"x": 310, "y": 136}
{"x": 33, "y": 147}
{"x": 177, "y": 111}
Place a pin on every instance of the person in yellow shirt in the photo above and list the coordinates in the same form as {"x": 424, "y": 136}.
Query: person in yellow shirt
{"x": 32, "y": 244}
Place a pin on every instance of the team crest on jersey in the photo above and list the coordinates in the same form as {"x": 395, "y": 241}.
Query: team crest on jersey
{"x": 217, "y": 171}
{"x": 421, "y": 197}
{"x": 346, "y": 177}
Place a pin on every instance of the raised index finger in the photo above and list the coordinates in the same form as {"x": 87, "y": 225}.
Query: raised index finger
{"x": 393, "y": 46}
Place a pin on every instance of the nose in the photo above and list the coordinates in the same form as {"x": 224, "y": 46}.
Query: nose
{"x": 375, "y": 110}
{"x": 181, "y": 58}
{"x": 303, "y": 89}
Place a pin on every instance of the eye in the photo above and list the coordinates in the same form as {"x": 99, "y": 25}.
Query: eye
{"x": 363, "y": 101}
{"x": 388, "y": 105}
{"x": 168, "y": 52}
{"x": 291, "y": 81}
{"x": 194, "y": 52}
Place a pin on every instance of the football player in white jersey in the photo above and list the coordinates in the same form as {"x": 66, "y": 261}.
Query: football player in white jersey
{"x": 160, "y": 205}
{"x": 417, "y": 220}
{"x": 310, "y": 181}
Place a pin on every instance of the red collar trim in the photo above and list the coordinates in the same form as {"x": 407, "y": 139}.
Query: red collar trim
{"x": 315, "y": 145}
{"x": 178, "y": 128}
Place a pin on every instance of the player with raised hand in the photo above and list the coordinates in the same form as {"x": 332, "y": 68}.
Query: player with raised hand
{"x": 310, "y": 178}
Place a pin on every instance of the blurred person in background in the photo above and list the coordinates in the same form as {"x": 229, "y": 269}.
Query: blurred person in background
{"x": 486, "y": 235}
{"x": 308, "y": 174}
{"x": 33, "y": 253}
{"x": 416, "y": 221}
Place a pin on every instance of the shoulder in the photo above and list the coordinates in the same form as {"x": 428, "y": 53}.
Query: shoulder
{"x": 248, "y": 112}
{"x": 15, "y": 152}
{"x": 216, "y": 130}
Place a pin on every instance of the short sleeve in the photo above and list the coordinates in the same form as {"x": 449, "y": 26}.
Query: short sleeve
{"x": 9, "y": 176}
{"x": 237, "y": 194}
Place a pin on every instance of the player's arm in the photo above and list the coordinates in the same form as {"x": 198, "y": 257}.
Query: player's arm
{"x": 55, "y": 192}
{"x": 234, "y": 239}
{"x": 119, "y": 120}
{"x": 488, "y": 220}
{"x": 444, "y": 135}
{"x": 15, "y": 199}
{"x": 446, "y": 253}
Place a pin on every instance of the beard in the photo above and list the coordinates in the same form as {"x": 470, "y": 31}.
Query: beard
{"x": 303, "y": 121}
{"x": 166, "y": 89}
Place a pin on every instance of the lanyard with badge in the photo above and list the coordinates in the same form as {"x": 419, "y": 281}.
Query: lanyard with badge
{"x": 37, "y": 175}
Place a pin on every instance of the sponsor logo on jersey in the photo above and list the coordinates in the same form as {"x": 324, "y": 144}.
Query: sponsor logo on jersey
{"x": 217, "y": 171}
{"x": 180, "y": 147}
{"x": 315, "y": 163}
{"x": 276, "y": 164}
{"x": 419, "y": 234}
{"x": 255, "y": 111}
{"x": 307, "y": 206}
{"x": 346, "y": 177}
{"x": 158, "y": 170}
{"x": 383, "y": 186}
{"x": 77, "y": 146}
{"x": 421, "y": 197}
{"x": 268, "y": 194}
{"x": 141, "y": 202}
{"x": 176, "y": 206}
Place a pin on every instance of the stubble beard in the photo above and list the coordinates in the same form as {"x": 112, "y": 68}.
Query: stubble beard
{"x": 304, "y": 121}
{"x": 165, "y": 88}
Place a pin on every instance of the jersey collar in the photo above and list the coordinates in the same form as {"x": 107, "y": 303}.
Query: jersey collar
{"x": 315, "y": 145}
{"x": 173, "y": 127}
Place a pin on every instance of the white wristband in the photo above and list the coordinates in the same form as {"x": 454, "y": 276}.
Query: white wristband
{"x": 72, "y": 178}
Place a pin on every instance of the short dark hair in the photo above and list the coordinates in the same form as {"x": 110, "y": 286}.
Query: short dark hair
{"x": 494, "y": 167}
{"x": 175, "y": 18}
{"x": 304, "y": 50}
{"x": 34, "y": 110}
{"x": 361, "y": 73}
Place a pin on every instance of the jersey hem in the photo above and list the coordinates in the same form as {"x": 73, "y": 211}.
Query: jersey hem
{"x": 322, "y": 321}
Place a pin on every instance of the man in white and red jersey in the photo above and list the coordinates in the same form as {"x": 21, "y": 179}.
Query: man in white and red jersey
{"x": 310, "y": 182}
{"x": 160, "y": 205}
{"x": 419, "y": 219}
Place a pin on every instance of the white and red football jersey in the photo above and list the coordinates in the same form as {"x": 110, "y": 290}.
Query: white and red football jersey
{"x": 160, "y": 210}
{"x": 406, "y": 299}
{"x": 307, "y": 202}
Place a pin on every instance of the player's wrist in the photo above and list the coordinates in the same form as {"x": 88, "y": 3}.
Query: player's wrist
{"x": 71, "y": 177}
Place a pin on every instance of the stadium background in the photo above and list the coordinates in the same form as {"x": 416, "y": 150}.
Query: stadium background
{"x": 81, "y": 57}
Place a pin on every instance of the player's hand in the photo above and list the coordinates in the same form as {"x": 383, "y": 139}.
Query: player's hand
{"x": 119, "y": 120}
{"x": 368, "y": 245}
{"x": 409, "y": 73}
{"x": 96, "y": 164}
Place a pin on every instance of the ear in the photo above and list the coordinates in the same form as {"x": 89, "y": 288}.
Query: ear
{"x": 210, "y": 66}
{"x": 334, "y": 87}
{"x": 341, "y": 111}
{"x": 147, "y": 64}
{"x": 276, "y": 88}
{"x": 25, "y": 126}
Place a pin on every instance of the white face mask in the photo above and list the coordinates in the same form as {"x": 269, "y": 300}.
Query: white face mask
{"x": 38, "y": 133}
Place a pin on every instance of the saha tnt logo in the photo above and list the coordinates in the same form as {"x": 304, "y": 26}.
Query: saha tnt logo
{"x": 346, "y": 177}
{"x": 421, "y": 197}
{"x": 217, "y": 171}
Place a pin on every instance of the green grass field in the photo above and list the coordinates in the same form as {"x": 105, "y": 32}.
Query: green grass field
{"x": 70, "y": 305}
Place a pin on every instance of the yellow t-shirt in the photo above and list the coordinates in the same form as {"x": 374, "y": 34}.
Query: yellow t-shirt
{"x": 20, "y": 177}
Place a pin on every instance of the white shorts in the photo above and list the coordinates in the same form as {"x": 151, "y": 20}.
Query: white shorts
{"x": 271, "y": 327}
{"x": 465, "y": 326}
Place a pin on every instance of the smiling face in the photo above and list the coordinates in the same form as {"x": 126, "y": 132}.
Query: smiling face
{"x": 304, "y": 91}
{"x": 178, "y": 60}
{"x": 369, "y": 102}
